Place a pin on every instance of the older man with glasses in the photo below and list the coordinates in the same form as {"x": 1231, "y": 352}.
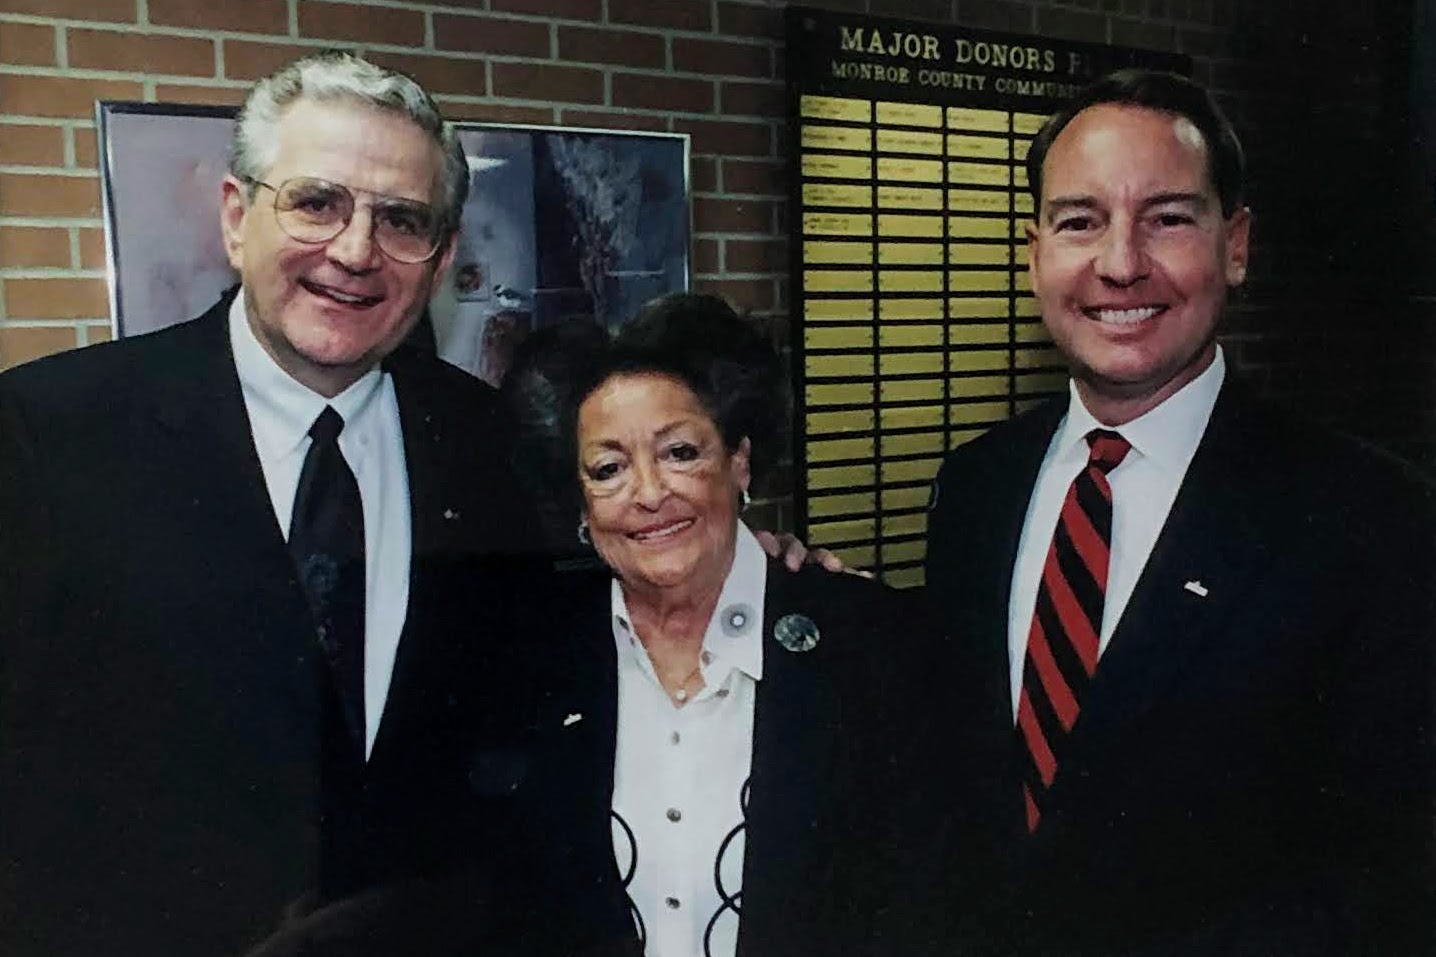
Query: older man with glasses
{"x": 229, "y": 681}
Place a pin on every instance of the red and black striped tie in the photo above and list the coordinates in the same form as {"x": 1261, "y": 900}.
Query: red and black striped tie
{"x": 1063, "y": 642}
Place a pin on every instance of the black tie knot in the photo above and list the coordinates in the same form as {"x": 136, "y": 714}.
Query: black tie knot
{"x": 327, "y": 426}
{"x": 1108, "y": 449}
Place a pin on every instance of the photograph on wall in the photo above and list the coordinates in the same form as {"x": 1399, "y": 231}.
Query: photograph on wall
{"x": 559, "y": 223}
{"x": 160, "y": 171}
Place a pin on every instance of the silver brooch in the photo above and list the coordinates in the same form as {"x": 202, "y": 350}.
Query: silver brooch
{"x": 796, "y": 632}
{"x": 736, "y": 619}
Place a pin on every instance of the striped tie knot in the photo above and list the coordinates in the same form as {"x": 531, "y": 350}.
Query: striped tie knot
{"x": 1108, "y": 449}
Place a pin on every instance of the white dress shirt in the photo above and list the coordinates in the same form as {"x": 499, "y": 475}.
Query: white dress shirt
{"x": 281, "y": 410}
{"x": 1143, "y": 488}
{"x": 681, "y": 773}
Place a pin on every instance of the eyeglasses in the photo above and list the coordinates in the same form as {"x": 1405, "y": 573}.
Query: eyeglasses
{"x": 313, "y": 210}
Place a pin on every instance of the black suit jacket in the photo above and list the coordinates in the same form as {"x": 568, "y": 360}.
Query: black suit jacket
{"x": 162, "y": 712}
{"x": 1251, "y": 768}
{"x": 831, "y": 743}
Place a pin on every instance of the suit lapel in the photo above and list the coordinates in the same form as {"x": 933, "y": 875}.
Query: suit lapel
{"x": 427, "y": 428}
{"x": 1006, "y": 503}
{"x": 201, "y": 408}
{"x": 795, "y": 721}
{"x": 1208, "y": 551}
{"x": 194, "y": 432}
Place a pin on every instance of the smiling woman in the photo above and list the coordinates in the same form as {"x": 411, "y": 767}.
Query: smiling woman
{"x": 738, "y": 726}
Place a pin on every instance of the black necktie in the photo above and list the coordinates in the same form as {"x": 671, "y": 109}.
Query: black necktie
{"x": 326, "y": 538}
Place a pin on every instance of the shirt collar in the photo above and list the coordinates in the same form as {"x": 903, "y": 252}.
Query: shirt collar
{"x": 281, "y": 408}
{"x": 1167, "y": 435}
{"x": 734, "y": 638}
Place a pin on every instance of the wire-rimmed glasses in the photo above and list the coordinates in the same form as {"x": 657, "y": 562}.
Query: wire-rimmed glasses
{"x": 313, "y": 210}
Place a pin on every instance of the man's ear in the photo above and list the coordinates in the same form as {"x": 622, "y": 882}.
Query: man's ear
{"x": 1238, "y": 229}
{"x": 1033, "y": 238}
{"x": 232, "y": 209}
{"x": 742, "y": 463}
{"x": 445, "y": 257}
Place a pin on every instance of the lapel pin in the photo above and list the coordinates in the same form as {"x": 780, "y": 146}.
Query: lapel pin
{"x": 451, "y": 513}
{"x": 735, "y": 619}
{"x": 1196, "y": 588}
{"x": 574, "y": 718}
{"x": 796, "y": 633}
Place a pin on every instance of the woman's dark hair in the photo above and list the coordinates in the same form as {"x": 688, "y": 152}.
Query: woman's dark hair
{"x": 723, "y": 358}
{"x": 1166, "y": 93}
{"x": 695, "y": 338}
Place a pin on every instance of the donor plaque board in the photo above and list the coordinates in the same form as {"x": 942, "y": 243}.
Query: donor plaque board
{"x": 916, "y": 326}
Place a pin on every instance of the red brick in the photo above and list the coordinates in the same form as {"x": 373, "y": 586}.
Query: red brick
{"x": 87, "y": 150}
{"x": 32, "y": 146}
{"x": 32, "y": 246}
{"x": 598, "y": 119}
{"x": 250, "y": 16}
{"x": 722, "y": 57}
{"x": 1142, "y": 34}
{"x": 462, "y": 76}
{"x": 93, "y": 254}
{"x": 56, "y": 298}
{"x": 753, "y": 99}
{"x": 553, "y": 9}
{"x": 1063, "y": 24}
{"x": 461, "y": 110}
{"x": 936, "y": 10}
{"x": 115, "y": 11}
{"x": 22, "y": 343}
{"x": 27, "y": 44}
{"x": 563, "y": 84}
{"x": 498, "y": 35}
{"x": 248, "y": 60}
{"x": 623, "y": 47}
{"x": 360, "y": 24}
{"x": 755, "y": 255}
{"x": 730, "y": 139}
{"x": 703, "y": 175}
{"x": 731, "y": 215}
{"x": 662, "y": 14}
{"x": 754, "y": 176}
{"x": 643, "y": 92}
{"x": 744, "y": 294}
{"x": 71, "y": 196}
{"x": 740, "y": 19}
{"x": 61, "y": 96}
{"x": 140, "y": 53}
{"x": 705, "y": 257}
{"x": 208, "y": 95}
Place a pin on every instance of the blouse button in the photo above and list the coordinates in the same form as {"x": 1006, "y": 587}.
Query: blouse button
{"x": 672, "y": 902}
{"x": 675, "y": 815}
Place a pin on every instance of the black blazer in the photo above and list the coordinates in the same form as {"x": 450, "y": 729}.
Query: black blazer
{"x": 163, "y": 701}
{"x": 1251, "y": 769}
{"x": 830, "y": 766}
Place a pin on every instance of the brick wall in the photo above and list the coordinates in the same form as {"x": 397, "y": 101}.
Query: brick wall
{"x": 1318, "y": 90}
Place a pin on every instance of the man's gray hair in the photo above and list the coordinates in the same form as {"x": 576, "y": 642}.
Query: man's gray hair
{"x": 336, "y": 76}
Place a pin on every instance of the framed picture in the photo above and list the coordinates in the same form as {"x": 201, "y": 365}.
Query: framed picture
{"x": 559, "y": 223}
{"x": 160, "y": 170}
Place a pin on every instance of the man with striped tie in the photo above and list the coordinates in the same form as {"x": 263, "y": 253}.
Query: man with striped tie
{"x": 1189, "y": 678}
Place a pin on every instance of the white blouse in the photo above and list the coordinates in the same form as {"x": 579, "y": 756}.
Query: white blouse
{"x": 680, "y": 778}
